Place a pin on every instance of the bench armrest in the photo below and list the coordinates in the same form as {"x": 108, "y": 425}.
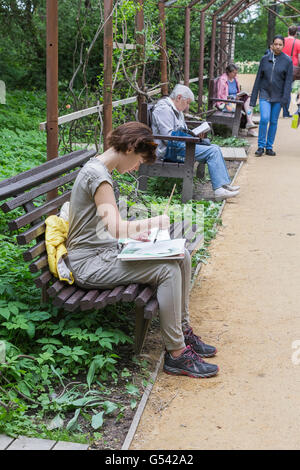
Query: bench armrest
{"x": 192, "y": 140}
{"x": 227, "y": 101}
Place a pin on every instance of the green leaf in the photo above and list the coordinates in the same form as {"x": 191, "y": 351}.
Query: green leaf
{"x": 133, "y": 404}
{"x": 4, "y": 312}
{"x": 109, "y": 407}
{"x": 97, "y": 420}
{"x": 72, "y": 422}
{"x": 132, "y": 389}
{"x": 91, "y": 374}
{"x": 56, "y": 423}
{"x": 31, "y": 330}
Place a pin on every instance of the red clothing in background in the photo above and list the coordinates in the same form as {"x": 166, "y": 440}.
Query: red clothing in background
{"x": 288, "y": 45}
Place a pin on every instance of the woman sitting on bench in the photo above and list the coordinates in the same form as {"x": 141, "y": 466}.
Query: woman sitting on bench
{"x": 95, "y": 225}
{"x": 229, "y": 88}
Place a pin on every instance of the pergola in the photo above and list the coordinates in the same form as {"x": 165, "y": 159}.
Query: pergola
{"x": 222, "y": 39}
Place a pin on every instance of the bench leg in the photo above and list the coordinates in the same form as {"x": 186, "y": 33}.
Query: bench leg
{"x": 143, "y": 183}
{"x": 141, "y": 328}
{"x": 200, "y": 173}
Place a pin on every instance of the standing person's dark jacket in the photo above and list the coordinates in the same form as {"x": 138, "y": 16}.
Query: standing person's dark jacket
{"x": 274, "y": 79}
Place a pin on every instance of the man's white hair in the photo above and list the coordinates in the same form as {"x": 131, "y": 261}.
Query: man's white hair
{"x": 184, "y": 91}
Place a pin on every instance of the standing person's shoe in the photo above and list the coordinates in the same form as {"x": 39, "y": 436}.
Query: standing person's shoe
{"x": 287, "y": 116}
{"x": 222, "y": 193}
{"x": 189, "y": 363}
{"x": 204, "y": 350}
{"x": 259, "y": 152}
{"x": 270, "y": 152}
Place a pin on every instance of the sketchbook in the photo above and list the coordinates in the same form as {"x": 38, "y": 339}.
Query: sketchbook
{"x": 161, "y": 249}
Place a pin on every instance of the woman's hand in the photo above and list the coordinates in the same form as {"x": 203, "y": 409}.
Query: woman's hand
{"x": 141, "y": 237}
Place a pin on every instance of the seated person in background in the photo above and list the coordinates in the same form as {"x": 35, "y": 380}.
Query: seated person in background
{"x": 92, "y": 244}
{"x": 168, "y": 119}
{"x": 228, "y": 87}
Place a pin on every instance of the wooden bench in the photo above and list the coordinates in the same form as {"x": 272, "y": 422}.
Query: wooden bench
{"x": 231, "y": 120}
{"x": 185, "y": 170}
{"x": 28, "y": 191}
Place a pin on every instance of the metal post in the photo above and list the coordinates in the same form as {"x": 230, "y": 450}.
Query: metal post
{"x": 52, "y": 78}
{"x": 107, "y": 85}
{"x": 140, "y": 40}
{"x": 163, "y": 49}
{"x": 187, "y": 46}
{"x": 201, "y": 60}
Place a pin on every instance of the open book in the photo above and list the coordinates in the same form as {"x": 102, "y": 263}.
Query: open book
{"x": 241, "y": 93}
{"x": 202, "y": 129}
{"x": 161, "y": 249}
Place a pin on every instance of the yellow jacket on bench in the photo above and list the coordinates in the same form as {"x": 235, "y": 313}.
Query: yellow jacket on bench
{"x": 55, "y": 237}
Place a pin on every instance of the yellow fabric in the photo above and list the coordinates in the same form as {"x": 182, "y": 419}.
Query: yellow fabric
{"x": 55, "y": 237}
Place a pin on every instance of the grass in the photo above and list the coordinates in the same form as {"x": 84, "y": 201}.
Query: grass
{"x": 65, "y": 376}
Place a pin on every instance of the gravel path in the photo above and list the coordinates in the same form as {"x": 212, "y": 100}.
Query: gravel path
{"x": 246, "y": 302}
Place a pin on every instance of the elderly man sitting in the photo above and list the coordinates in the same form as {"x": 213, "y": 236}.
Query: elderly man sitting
{"x": 168, "y": 119}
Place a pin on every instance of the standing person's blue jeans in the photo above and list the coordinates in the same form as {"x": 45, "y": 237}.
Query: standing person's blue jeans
{"x": 285, "y": 108}
{"x": 269, "y": 114}
{"x": 210, "y": 154}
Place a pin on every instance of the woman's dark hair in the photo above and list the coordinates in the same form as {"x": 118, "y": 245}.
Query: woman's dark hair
{"x": 231, "y": 68}
{"x": 278, "y": 36}
{"x": 293, "y": 30}
{"x": 134, "y": 136}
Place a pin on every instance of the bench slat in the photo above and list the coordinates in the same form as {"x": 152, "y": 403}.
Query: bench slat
{"x": 56, "y": 288}
{"x": 43, "y": 279}
{"x": 130, "y": 292}
{"x": 73, "y": 302}
{"x": 36, "y": 192}
{"x": 115, "y": 295}
{"x": 42, "y": 262}
{"x": 60, "y": 299}
{"x": 32, "y": 233}
{"x": 39, "y": 211}
{"x": 144, "y": 296}
{"x": 35, "y": 251}
{"x": 101, "y": 300}
{"x": 15, "y": 185}
{"x": 151, "y": 309}
{"x": 87, "y": 301}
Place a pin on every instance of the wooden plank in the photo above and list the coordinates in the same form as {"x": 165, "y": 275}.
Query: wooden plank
{"x": 115, "y": 295}
{"x": 42, "y": 174}
{"x": 73, "y": 302}
{"x": 101, "y": 300}
{"x": 43, "y": 189}
{"x": 62, "y": 445}
{"x": 130, "y": 293}
{"x": 32, "y": 233}
{"x": 68, "y": 157}
{"x": 36, "y": 213}
{"x": 35, "y": 251}
{"x": 151, "y": 309}
{"x": 86, "y": 303}
{"x": 55, "y": 288}
{"x": 31, "y": 443}
{"x": 42, "y": 262}
{"x": 144, "y": 296}
{"x": 5, "y": 441}
{"x": 43, "y": 279}
{"x": 63, "y": 296}
{"x": 234, "y": 153}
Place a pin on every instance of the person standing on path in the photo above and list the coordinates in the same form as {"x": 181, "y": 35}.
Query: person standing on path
{"x": 273, "y": 83}
{"x": 292, "y": 49}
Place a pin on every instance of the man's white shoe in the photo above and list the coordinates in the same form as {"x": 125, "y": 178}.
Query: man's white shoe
{"x": 231, "y": 188}
{"x": 222, "y": 193}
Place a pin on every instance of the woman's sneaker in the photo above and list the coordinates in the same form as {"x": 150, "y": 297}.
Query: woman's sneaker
{"x": 189, "y": 363}
{"x": 204, "y": 350}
